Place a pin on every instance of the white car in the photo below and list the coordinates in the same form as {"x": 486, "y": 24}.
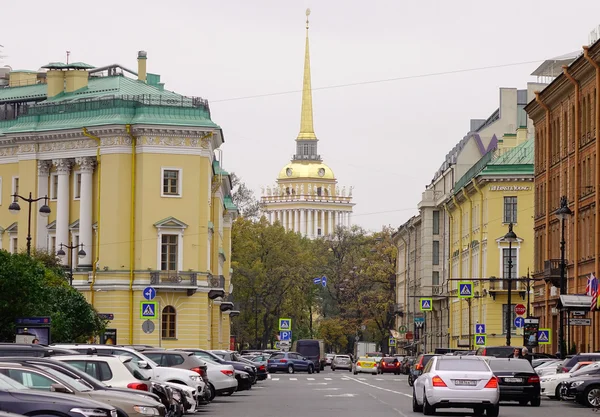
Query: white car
{"x": 365, "y": 365}
{"x": 221, "y": 377}
{"x": 547, "y": 368}
{"x": 156, "y": 373}
{"x": 550, "y": 384}
{"x": 456, "y": 382}
{"x": 122, "y": 372}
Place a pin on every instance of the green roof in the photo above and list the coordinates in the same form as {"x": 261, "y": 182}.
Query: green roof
{"x": 23, "y": 71}
{"x": 519, "y": 155}
{"x": 106, "y": 100}
{"x": 229, "y": 204}
{"x": 217, "y": 168}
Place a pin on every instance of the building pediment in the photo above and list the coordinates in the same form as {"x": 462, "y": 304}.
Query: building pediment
{"x": 13, "y": 228}
{"x": 170, "y": 223}
{"x": 51, "y": 226}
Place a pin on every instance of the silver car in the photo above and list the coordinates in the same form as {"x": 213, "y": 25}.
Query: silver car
{"x": 341, "y": 362}
{"x": 456, "y": 382}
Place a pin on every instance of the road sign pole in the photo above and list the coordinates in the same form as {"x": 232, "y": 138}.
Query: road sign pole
{"x": 159, "y": 320}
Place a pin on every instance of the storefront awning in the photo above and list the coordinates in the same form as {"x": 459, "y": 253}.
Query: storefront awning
{"x": 575, "y": 302}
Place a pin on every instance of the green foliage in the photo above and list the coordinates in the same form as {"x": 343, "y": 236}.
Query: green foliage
{"x": 36, "y": 286}
{"x": 333, "y": 331}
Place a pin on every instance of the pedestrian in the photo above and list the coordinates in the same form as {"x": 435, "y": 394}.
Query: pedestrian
{"x": 35, "y": 341}
{"x": 516, "y": 353}
{"x": 525, "y": 354}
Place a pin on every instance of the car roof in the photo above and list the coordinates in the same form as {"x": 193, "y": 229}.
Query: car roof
{"x": 100, "y": 356}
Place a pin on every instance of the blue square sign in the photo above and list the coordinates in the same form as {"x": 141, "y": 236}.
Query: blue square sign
{"x": 285, "y": 336}
{"x": 480, "y": 328}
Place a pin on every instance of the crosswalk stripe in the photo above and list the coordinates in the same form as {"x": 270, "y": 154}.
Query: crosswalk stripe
{"x": 275, "y": 379}
{"x": 327, "y": 379}
{"x": 310, "y": 379}
{"x": 378, "y": 379}
{"x": 362, "y": 379}
{"x": 345, "y": 379}
{"x": 293, "y": 379}
{"x": 397, "y": 379}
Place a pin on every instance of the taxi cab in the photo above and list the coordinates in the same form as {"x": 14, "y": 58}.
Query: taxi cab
{"x": 365, "y": 365}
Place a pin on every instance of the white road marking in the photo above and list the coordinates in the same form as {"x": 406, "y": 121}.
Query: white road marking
{"x": 327, "y": 379}
{"x": 341, "y": 395}
{"x": 310, "y": 379}
{"x": 378, "y": 379}
{"x": 362, "y": 379}
{"x": 380, "y": 388}
{"x": 326, "y": 389}
{"x": 397, "y": 379}
{"x": 275, "y": 379}
{"x": 317, "y": 383}
{"x": 293, "y": 379}
{"x": 269, "y": 376}
{"x": 383, "y": 402}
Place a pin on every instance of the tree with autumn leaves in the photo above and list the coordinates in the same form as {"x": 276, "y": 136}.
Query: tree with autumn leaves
{"x": 273, "y": 273}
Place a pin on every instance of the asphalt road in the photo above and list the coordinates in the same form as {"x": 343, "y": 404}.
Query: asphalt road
{"x": 340, "y": 393}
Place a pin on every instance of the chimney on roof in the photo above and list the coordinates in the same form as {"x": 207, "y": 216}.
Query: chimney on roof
{"x": 142, "y": 55}
{"x": 55, "y": 78}
{"x": 75, "y": 79}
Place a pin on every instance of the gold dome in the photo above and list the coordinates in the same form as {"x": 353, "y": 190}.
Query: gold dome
{"x": 313, "y": 170}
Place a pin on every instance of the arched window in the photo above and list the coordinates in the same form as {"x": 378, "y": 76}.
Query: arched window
{"x": 169, "y": 322}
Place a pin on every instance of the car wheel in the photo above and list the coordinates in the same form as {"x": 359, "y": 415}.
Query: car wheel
{"x": 410, "y": 381}
{"x": 428, "y": 409}
{"x": 478, "y": 411}
{"x": 591, "y": 396}
{"x": 290, "y": 369}
{"x": 213, "y": 392}
{"x": 311, "y": 369}
{"x": 536, "y": 402}
{"x": 416, "y": 407}
{"x": 355, "y": 373}
{"x": 318, "y": 369}
{"x": 493, "y": 411}
{"x": 332, "y": 369}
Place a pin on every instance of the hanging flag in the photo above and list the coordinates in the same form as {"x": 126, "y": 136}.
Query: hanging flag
{"x": 588, "y": 287}
{"x": 594, "y": 291}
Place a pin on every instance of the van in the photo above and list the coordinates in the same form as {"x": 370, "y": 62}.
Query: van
{"x": 313, "y": 350}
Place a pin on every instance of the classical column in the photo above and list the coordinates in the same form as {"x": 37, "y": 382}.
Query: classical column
{"x": 349, "y": 215}
{"x": 323, "y": 232}
{"x": 63, "y": 168}
{"x": 284, "y": 219}
{"x": 309, "y": 223}
{"x": 297, "y": 221}
{"x": 330, "y": 225}
{"x": 303, "y": 222}
{"x": 41, "y": 241}
{"x": 270, "y": 216}
{"x": 343, "y": 218}
{"x": 86, "y": 166}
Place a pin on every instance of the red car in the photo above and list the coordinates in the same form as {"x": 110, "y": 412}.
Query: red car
{"x": 389, "y": 365}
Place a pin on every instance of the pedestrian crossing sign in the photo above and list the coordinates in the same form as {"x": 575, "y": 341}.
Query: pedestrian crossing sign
{"x": 544, "y": 337}
{"x": 148, "y": 310}
{"x": 480, "y": 339}
{"x": 465, "y": 289}
{"x": 392, "y": 342}
{"x": 426, "y": 304}
{"x": 285, "y": 324}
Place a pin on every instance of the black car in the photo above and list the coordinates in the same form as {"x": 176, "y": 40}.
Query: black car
{"x": 261, "y": 370}
{"x": 16, "y": 398}
{"x": 517, "y": 380}
{"x": 238, "y": 366}
{"x": 583, "y": 389}
{"x": 495, "y": 351}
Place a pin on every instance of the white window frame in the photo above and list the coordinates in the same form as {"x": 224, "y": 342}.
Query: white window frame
{"x": 170, "y": 231}
{"x": 75, "y": 175}
{"x": 52, "y": 248}
{"x": 179, "y": 182}
{"x": 53, "y": 188}
{"x": 515, "y": 267}
{"x": 15, "y": 179}
{"x": 11, "y": 241}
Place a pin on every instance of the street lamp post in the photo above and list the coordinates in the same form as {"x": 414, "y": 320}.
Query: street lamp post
{"x": 61, "y": 254}
{"x": 563, "y": 213}
{"x": 15, "y": 208}
{"x": 510, "y": 237}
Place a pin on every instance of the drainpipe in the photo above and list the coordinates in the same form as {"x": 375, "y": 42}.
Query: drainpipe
{"x": 460, "y": 254}
{"x": 449, "y": 272}
{"x": 405, "y": 275}
{"x": 480, "y": 272}
{"x": 132, "y": 233}
{"x": 95, "y": 262}
{"x": 597, "y": 177}
{"x": 470, "y": 267}
{"x": 577, "y": 186}
{"x": 547, "y": 204}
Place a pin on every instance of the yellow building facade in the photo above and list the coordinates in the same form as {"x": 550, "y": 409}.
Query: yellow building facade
{"x": 496, "y": 191}
{"x": 306, "y": 197}
{"x": 133, "y": 181}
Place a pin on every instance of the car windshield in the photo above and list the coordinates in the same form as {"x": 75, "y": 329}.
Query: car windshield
{"x": 473, "y": 365}
{"x": 7, "y": 383}
{"x": 75, "y": 383}
{"x": 363, "y": 359}
{"x": 308, "y": 349}
{"x": 516, "y": 365}
{"x": 136, "y": 371}
{"x": 587, "y": 370}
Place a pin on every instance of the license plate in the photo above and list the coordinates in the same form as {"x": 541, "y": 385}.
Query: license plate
{"x": 465, "y": 382}
{"x": 513, "y": 379}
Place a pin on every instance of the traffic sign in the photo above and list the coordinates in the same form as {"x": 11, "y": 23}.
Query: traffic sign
{"x": 519, "y": 322}
{"x": 285, "y": 335}
{"x": 149, "y": 293}
{"x": 426, "y": 304}
{"x": 316, "y": 280}
{"x": 520, "y": 309}
{"x": 392, "y": 342}
{"x": 580, "y": 322}
{"x": 465, "y": 289}
{"x": 106, "y": 316}
{"x": 480, "y": 328}
{"x": 285, "y": 324}
{"x": 480, "y": 339}
{"x": 402, "y": 329}
{"x": 544, "y": 336}
{"x": 148, "y": 326}
{"x": 408, "y": 335}
{"x": 419, "y": 319}
{"x": 324, "y": 281}
{"x": 277, "y": 345}
{"x": 148, "y": 310}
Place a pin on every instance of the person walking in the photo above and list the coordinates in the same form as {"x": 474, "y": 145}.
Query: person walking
{"x": 516, "y": 354}
{"x": 525, "y": 354}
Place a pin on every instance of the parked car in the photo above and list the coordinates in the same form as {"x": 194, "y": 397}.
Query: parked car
{"x": 341, "y": 362}
{"x": 569, "y": 362}
{"x": 222, "y": 378}
{"x": 517, "y": 379}
{"x": 551, "y": 383}
{"x": 46, "y": 379}
{"x": 583, "y": 389}
{"x": 495, "y": 351}
{"x": 238, "y": 366}
{"x": 25, "y": 349}
{"x": 329, "y": 358}
{"x": 17, "y": 398}
{"x": 312, "y": 349}
{"x": 290, "y": 362}
{"x": 231, "y": 356}
{"x": 456, "y": 382}
{"x": 365, "y": 365}
{"x": 389, "y": 365}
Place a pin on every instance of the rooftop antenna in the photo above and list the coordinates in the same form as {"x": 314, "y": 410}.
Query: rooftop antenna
{"x": 68, "y": 54}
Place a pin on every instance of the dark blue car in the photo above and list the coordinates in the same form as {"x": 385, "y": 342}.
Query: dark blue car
{"x": 289, "y": 362}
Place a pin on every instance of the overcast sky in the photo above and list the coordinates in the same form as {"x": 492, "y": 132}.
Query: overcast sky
{"x": 386, "y": 139}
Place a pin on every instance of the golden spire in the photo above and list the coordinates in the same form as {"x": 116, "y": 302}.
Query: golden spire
{"x": 307, "y": 130}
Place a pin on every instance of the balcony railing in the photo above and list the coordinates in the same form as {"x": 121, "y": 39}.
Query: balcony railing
{"x": 552, "y": 271}
{"x": 172, "y": 279}
{"x": 215, "y": 281}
